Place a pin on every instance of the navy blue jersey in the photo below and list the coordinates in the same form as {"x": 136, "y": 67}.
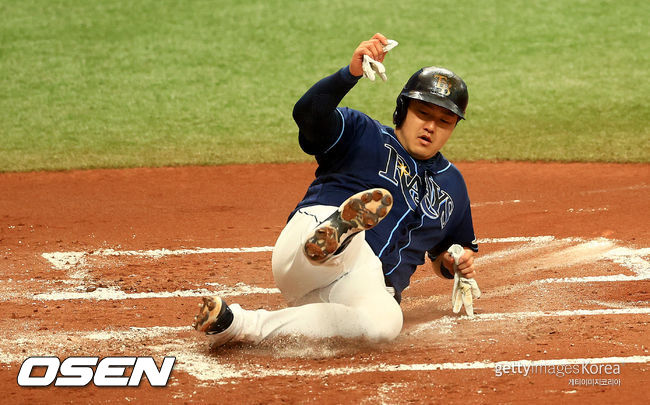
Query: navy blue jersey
{"x": 431, "y": 208}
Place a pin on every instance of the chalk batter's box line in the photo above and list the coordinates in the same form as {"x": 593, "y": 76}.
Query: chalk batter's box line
{"x": 75, "y": 261}
{"x": 630, "y": 258}
{"x": 56, "y": 258}
{"x": 260, "y": 372}
{"x": 63, "y": 260}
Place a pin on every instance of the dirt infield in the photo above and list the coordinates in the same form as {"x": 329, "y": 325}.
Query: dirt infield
{"x": 112, "y": 262}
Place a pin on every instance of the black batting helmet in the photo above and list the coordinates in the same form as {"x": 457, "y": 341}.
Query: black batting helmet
{"x": 433, "y": 85}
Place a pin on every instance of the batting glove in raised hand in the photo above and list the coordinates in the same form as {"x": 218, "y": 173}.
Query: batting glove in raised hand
{"x": 371, "y": 66}
{"x": 465, "y": 289}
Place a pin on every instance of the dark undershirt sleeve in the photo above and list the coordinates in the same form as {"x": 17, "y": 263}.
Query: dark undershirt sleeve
{"x": 319, "y": 123}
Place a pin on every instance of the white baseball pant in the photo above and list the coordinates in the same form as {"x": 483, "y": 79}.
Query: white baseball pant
{"x": 344, "y": 297}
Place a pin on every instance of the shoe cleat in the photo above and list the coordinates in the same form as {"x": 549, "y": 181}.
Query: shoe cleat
{"x": 361, "y": 212}
{"x": 214, "y": 316}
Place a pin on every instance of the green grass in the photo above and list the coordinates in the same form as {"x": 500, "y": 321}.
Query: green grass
{"x": 86, "y": 84}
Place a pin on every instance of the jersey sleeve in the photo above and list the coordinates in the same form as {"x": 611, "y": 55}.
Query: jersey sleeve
{"x": 353, "y": 124}
{"x": 319, "y": 122}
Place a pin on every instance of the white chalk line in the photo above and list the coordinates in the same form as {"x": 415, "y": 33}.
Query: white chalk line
{"x": 633, "y": 259}
{"x": 113, "y": 293}
{"x": 445, "y": 323}
{"x": 74, "y": 262}
{"x": 483, "y": 204}
{"x": 67, "y": 260}
{"x": 259, "y": 371}
{"x": 640, "y": 186}
{"x": 514, "y": 239}
{"x": 593, "y": 279}
{"x": 461, "y": 366}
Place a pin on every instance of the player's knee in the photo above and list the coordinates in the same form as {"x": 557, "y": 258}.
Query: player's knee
{"x": 385, "y": 326}
{"x": 385, "y": 334}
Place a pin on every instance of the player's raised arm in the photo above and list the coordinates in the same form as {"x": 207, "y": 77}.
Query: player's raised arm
{"x": 315, "y": 113}
{"x": 374, "y": 47}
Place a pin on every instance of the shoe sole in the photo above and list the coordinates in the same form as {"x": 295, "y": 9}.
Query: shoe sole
{"x": 208, "y": 314}
{"x": 361, "y": 212}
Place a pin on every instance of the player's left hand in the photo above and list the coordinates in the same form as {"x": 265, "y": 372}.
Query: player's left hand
{"x": 465, "y": 289}
{"x": 465, "y": 263}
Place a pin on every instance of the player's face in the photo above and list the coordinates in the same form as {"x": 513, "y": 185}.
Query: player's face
{"x": 426, "y": 129}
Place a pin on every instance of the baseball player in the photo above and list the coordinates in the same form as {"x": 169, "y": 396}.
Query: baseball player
{"x": 383, "y": 199}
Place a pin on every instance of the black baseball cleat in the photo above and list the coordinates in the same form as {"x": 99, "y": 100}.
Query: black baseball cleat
{"x": 214, "y": 316}
{"x": 358, "y": 213}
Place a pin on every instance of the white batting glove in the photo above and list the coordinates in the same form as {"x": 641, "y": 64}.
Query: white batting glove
{"x": 465, "y": 289}
{"x": 371, "y": 66}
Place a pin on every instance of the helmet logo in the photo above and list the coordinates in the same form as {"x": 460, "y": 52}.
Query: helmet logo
{"x": 441, "y": 85}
